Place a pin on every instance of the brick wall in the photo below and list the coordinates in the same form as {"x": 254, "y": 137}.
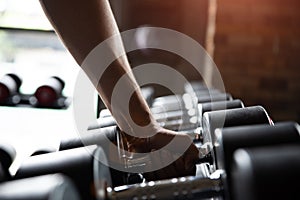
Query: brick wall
{"x": 186, "y": 16}
{"x": 257, "y": 50}
{"x": 256, "y": 45}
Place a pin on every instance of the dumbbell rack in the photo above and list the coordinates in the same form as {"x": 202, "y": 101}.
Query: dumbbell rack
{"x": 238, "y": 157}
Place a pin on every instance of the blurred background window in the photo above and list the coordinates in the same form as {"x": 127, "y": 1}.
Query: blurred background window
{"x": 23, "y": 14}
{"x": 30, "y": 49}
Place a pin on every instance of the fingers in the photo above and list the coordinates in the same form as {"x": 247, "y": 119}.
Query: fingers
{"x": 170, "y": 140}
{"x": 135, "y": 144}
{"x": 169, "y": 163}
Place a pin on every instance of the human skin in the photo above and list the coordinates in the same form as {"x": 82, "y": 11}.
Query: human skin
{"x": 84, "y": 24}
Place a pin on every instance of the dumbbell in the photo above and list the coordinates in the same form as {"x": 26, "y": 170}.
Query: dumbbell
{"x": 177, "y": 125}
{"x": 112, "y": 132}
{"x": 199, "y": 87}
{"x": 232, "y": 138}
{"x": 103, "y": 137}
{"x": 49, "y": 94}
{"x": 53, "y": 163}
{"x": 217, "y": 184}
{"x": 175, "y": 120}
{"x": 217, "y": 114}
{"x": 268, "y": 173}
{"x": 98, "y": 137}
{"x": 82, "y": 165}
{"x": 9, "y": 89}
{"x": 194, "y": 86}
{"x": 177, "y": 102}
{"x": 281, "y": 133}
{"x": 180, "y": 120}
{"x": 235, "y": 117}
{"x": 69, "y": 165}
{"x": 47, "y": 187}
{"x": 213, "y": 120}
{"x": 103, "y": 123}
{"x": 184, "y": 107}
{"x": 232, "y": 117}
{"x": 7, "y": 156}
{"x": 219, "y": 105}
{"x": 171, "y": 120}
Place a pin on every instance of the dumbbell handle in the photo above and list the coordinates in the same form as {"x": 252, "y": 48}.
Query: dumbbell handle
{"x": 177, "y": 188}
{"x": 98, "y": 137}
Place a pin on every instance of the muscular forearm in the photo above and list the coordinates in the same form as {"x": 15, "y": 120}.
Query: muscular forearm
{"x": 84, "y": 24}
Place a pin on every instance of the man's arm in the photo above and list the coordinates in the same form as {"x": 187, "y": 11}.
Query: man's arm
{"x": 84, "y": 24}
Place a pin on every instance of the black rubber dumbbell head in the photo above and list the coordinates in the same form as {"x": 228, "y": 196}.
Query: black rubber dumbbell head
{"x": 232, "y": 117}
{"x": 219, "y": 105}
{"x": 84, "y": 166}
{"x": 48, "y": 93}
{"x": 266, "y": 173}
{"x": 232, "y": 138}
{"x": 9, "y": 85}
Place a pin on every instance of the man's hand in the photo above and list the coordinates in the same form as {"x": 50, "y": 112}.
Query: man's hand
{"x": 183, "y": 165}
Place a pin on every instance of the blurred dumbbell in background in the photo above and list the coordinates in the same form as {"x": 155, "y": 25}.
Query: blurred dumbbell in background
{"x": 9, "y": 89}
{"x": 49, "y": 94}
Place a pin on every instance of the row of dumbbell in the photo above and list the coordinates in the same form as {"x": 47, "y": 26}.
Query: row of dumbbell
{"x": 186, "y": 187}
{"x": 49, "y": 94}
{"x": 180, "y": 112}
{"x": 223, "y": 118}
{"x": 186, "y": 112}
{"x": 241, "y": 170}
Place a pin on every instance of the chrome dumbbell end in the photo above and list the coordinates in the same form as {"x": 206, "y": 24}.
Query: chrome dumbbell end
{"x": 176, "y": 188}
